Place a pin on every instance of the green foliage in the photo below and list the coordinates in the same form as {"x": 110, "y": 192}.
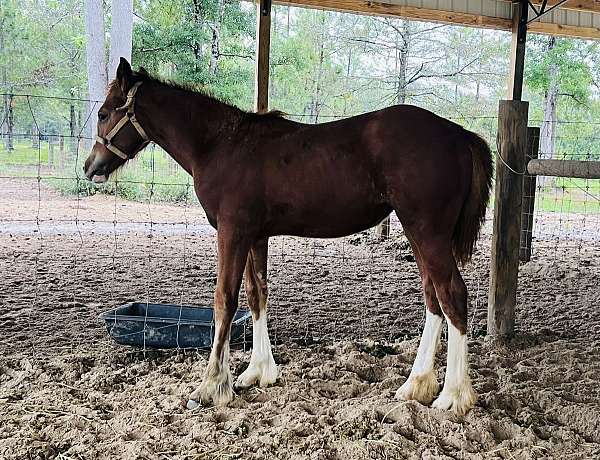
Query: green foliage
{"x": 175, "y": 39}
{"x": 323, "y": 65}
{"x": 569, "y": 58}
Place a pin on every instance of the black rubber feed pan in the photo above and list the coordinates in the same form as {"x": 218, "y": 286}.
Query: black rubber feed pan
{"x": 167, "y": 326}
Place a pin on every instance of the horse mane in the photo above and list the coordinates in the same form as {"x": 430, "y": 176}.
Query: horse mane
{"x": 197, "y": 88}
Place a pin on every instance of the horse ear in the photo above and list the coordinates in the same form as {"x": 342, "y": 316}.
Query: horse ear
{"x": 143, "y": 72}
{"x": 124, "y": 75}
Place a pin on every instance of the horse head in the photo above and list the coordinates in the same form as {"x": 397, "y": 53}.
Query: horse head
{"x": 120, "y": 136}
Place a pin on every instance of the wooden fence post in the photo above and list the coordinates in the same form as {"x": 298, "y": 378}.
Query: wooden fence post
{"x": 510, "y": 166}
{"x": 263, "y": 46}
{"x": 529, "y": 183}
{"x": 51, "y": 145}
{"x": 383, "y": 228}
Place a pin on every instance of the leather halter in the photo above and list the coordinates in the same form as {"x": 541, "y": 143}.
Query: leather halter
{"x": 129, "y": 116}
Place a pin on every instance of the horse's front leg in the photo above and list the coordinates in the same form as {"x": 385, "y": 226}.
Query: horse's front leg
{"x": 262, "y": 368}
{"x": 216, "y": 385}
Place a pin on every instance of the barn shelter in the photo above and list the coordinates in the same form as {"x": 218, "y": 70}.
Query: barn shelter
{"x": 517, "y": 144}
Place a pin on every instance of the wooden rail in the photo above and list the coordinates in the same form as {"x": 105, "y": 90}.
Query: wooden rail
{"x": 565, "y": 168}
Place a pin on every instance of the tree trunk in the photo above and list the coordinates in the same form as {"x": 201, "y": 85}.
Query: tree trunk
{"x": 458, "y": 64}
{"x": 480, "y": 65}
{"x": 402, "y": 42}
{"x": 216, "y": 39}
{"x": 95, "y": 59}
{"x": 10, "y": 123}
{"x": 316, "y": 103}
{"x": 347, "y": 81}
{"x": 7, "y": 115}
{"x": 402, "y": 50}
{"x": 196, "y": 45}
{"x": 72, "y": 130}
{"x": 35, "y": 136}
{"x": 548, "y": 128}
{"x": 121, "y": 32}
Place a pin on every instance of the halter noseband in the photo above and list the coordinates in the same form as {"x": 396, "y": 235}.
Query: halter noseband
{"x": 129, "y": 116}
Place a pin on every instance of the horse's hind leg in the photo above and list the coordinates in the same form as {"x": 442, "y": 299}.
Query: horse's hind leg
{"x": 262, "y": 368}
{"x": 451, "y": 292}
{"x": 422, "y": 384}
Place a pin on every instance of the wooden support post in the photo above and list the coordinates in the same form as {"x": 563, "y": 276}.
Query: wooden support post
{"x": 383, "y": 228}
{"x": 510, "y": 166}
{"x": 51, "y": 144}
{"x": 529, "y": 183}
{"x": 517, "y": 50}
{"x": 263, "y": 45}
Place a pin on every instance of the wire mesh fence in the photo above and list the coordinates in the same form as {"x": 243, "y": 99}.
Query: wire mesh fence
{"x": 565, "y": 226}
{"x": 72, "y": 249}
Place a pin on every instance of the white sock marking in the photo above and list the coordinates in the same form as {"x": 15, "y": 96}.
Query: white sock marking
{"x": 457, "y": 366}
{"x": 428, "y": 344}
{"x": 422, "y": 382}
{"x": 457, "y": 393}
{"x": 262, "y": 367}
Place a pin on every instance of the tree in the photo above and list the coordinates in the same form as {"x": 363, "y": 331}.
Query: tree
{"x": 206, "y": 42}
{"x": 558, "y": 68}
{"x": 95, "y": 56}
{"x": 7, "y": 20}
{"x": 121, "y": 34}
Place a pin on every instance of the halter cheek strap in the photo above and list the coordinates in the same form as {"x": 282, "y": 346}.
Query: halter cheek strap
{"x": 128, "y": 117}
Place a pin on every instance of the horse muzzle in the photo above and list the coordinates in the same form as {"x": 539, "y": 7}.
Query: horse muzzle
{"x": 95, "y": 174}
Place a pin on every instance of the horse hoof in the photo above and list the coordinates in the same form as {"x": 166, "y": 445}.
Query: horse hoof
{"x": 459, "y": 400}
{"x": 264, "y": 373}
{"x": 217, "y": 390}
{"x": 422, "y": 388}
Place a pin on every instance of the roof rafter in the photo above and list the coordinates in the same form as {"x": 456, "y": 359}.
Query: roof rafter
{"x": 378, "y": 8}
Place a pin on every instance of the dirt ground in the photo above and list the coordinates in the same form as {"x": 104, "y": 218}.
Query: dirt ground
{"x": 345, "y": 315}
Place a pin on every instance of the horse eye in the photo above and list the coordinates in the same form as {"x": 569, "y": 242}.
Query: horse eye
{"x": 102, "y": 116}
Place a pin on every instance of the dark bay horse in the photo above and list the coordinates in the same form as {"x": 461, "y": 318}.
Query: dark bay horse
{"x": 257, "y": 176}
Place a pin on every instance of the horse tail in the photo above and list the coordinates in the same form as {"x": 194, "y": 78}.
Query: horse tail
{"x": 472, "y": 214}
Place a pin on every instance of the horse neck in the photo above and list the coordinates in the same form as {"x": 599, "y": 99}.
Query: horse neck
{"x": 186, "y": 124}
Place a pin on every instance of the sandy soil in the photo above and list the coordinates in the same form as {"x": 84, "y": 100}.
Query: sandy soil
{"x": 537, "y": 399}
{"x": 65, "y": 390}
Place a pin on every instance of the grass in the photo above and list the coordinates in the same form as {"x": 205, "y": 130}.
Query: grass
{"x": 570, "y": 195}
{"x": 152, "y": 176}
{"x": 24, "y": 154}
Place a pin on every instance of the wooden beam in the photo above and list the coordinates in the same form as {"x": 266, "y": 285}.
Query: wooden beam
{"x": 529, "y": 183}
{"x": 545, "y": 28}
{"x": 263, "y": 46}
{"x": 517, "y": 50}
{"x": 510, "y": 164}
{"x": 591, "y": 6}
{"x": 565, "y": 168}
{"x": 409, "y": 12}
{"x": 375, "y": 8}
